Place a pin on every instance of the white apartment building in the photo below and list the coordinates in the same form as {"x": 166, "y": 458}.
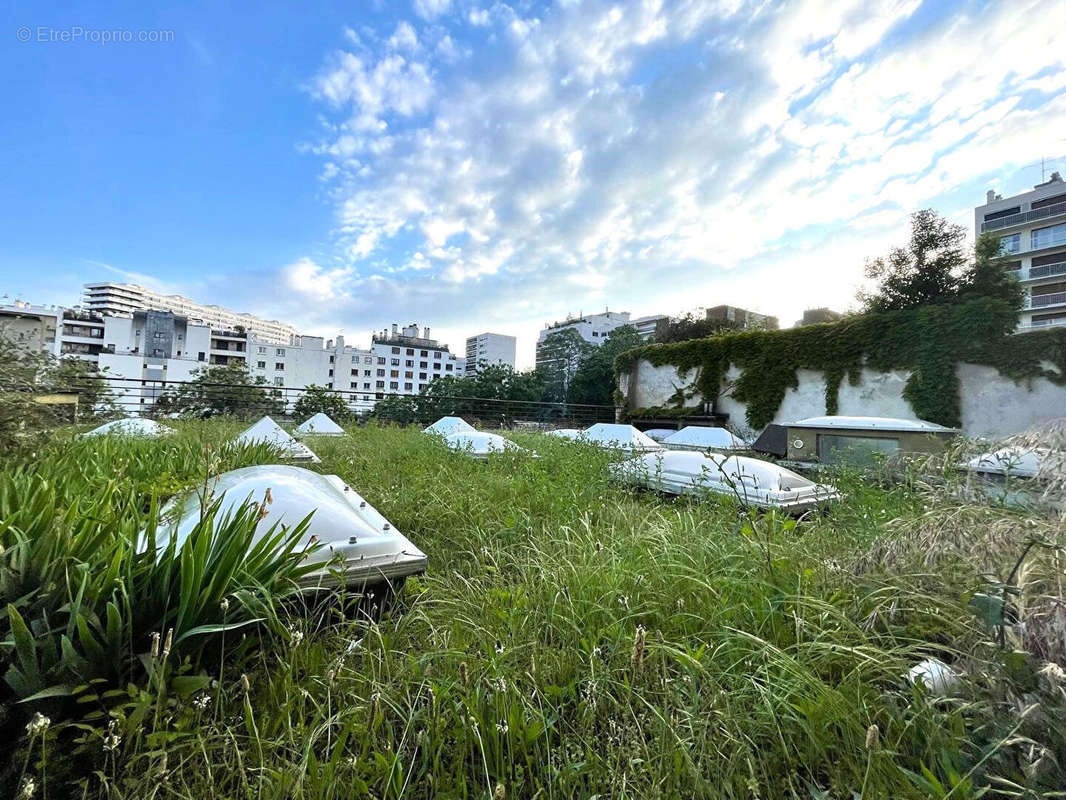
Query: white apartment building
{"x": 407, "y": 360}
{"x": 1032, "y": 233}
{"x": 489, "y": 348}
{"x": 593, "y": 328}
{"x": 122, "y": 299}
{"x": 648, "y": 326}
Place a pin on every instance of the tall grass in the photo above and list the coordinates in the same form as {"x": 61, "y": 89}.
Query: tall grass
{"x": 572, "y": 638}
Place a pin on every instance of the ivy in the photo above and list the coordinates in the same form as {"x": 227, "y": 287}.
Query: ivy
{"x": 928, "y": 342}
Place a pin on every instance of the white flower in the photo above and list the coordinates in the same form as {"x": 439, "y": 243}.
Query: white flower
{"x": 501, "y": 727}
{"x": 37, "y": 725}
{"x": 29, "y": 786}
{"x": 202, "y": 702}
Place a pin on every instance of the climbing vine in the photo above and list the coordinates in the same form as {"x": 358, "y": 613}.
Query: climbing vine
{"x": 928, "y": 342}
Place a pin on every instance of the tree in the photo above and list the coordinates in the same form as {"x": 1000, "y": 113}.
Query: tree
{"x": 692, "y": 327}
{"x": 317, "y": 399}
{"x": 558, "y": 358}
{"x": 222, "y": 389}
{"x": 935, "y": 269}
{"x": 988, "y": 277}
{"x": 593, "y": 382}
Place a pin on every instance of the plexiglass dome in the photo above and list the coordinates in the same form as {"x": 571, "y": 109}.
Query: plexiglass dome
{"x": 269, "y": 432}
{"x": 131, "y": 426}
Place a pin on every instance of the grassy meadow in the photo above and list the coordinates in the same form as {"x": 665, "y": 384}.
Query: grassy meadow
{"x": 571, "y": 638}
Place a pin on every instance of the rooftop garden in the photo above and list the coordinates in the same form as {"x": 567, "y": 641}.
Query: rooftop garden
{"x": 570, "y": 638}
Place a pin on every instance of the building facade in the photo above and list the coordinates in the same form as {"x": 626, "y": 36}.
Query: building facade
{"x": 1031, "y": 227}
{"x": 122, "y": 299}
{"x": 489, "y": 348}
{"x": 743, "y": 318}
{"x": 406, "y": 361}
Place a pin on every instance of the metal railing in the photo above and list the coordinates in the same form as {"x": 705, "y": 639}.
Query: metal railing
{"x": 137, "y": 396}
{"x": 1042, "y": 300}
{"x": 1024, "y": 217}
{"x": 1046, "y": 270}
{"x": 1037, "y": 324}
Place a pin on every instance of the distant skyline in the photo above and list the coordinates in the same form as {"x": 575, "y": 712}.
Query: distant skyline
{"x": 482, "y": 166}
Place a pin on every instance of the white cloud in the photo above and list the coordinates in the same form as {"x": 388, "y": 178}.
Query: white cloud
{"x": 754, "y": 153}
{"x": 431, "y": 9}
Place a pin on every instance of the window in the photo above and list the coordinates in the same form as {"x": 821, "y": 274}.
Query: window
{"x": 407, "y": 387}
{"x": 381, "y": 360}
{"x": 354, "y": 385}
{"x": 380, "y": 384}
{"x": 448, "y": 367}
{"x": 381, "y": 373}
{"x": 366, "y": 385}
{"x": 394, "y": 373}
{"x": 355, "y": 372}
{"x": 394, "y": 385}
{"x": 331, "y": 359}
{"x": 436, "y": 355}
{"x": 262, "y": 351}
{"x": 410, "y": 352}
{"x": 355, "y": 359}
{"x": 331, "y": 373}
{"x": 834, "y": 449}
{"x": 279, "y": 351}
{"x": 366, "y": 373}
{"x": 279, "y": 381}
{"x": 423, "y": 365}
{"x": 1011, "y": 244}
{"x": 422, "y": 376}
{"x": 261, "y": 364}
{"x": 408, "y": 374}
{"x": 200, "y": 356}
{"x": 408, "y": 363}
{"x": 279, "y": 365}
{"x": 436, "y": 366}
{"x": 396, "y": 351}
{"x": 1046, "y": 237}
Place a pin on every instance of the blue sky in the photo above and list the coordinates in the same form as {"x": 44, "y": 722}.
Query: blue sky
{"x": 479, "y": 165}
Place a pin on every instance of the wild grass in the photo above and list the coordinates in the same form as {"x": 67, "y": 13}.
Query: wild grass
{"x": 572, "y": 638}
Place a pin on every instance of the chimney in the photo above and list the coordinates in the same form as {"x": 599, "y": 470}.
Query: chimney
{"x": 394, "y": 329}
{"x": 990, "y": 195}
{"x": 426, "y": 332}
{"x": 1055, "y": 178}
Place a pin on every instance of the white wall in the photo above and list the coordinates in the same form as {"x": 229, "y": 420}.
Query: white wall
{"x": 992, "y": 404}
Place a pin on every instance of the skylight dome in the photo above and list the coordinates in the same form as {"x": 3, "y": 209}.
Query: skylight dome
{"x": 447, "y": 425}
{"x": 697, "y": 437}
{"x": 268, "y": 431}
{"x": 658, "y": 434}
{"x": 131, "y": 426}
{"x": 871, "y": 424}
{"x": 567, "y": 433}
{"x": 479, "y": 444}
{"x": 320, "y": 425}
{"x": 755, "y": 483}
{"x": 359, "y": 546}
{"x": 1014, "y": 460}
{"x": 619, "y": 437}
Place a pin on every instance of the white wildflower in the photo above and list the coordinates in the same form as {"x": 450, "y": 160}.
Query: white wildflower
{"x": 37, "y": 725}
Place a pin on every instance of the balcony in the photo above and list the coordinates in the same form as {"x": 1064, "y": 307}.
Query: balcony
{"x": 1042, "y": 271}
{"x": 1037, "y": 325}
{"x": 1046, "y": 300}
{"x": 1024, "y": 218}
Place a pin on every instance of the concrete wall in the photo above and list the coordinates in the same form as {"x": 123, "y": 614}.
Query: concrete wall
{"x": 992, "y": 405}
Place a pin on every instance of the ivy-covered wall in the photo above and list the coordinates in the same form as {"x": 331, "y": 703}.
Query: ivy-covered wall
{"x": 927, "y": 342}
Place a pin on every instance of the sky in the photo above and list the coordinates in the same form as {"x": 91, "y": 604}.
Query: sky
{"x": 484, "y": 166}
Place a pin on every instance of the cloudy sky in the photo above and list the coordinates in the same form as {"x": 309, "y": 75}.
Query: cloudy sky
{"x": 488, "y": 166}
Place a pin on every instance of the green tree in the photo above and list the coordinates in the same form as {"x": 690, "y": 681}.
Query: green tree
{"x": 593, "y": 381}
{"x": 558, "y": 357}
{"x": 317, "y": 399}
{"x": 692, "y": 327}
{"x": 935, "y": 269}
{"x": 222, "y": 389}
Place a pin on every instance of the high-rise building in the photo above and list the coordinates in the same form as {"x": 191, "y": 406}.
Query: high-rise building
{"x": 122, "y": 299}
{"x": 486, "y": 349}
{"x": 408, "y": 360}
{"x": 1031, "y": 227}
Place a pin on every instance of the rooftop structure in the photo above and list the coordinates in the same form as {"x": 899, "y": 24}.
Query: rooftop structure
{"x": 744, "y": 318}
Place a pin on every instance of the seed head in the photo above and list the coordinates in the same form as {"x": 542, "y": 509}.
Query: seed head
{"x": 873, "y": 738}
{"x": 500, "y": 793}
{"x": 224, "y": 605}
{"x": 246, "y": 686}
{"x": 29, "y": 786}
{"x": 1053, "y": 672}
{"x": 155, "y": 645}
{"x": 168, "y": 644}
{"x": 464, "y": 673}
{"x": 638, "y": 648}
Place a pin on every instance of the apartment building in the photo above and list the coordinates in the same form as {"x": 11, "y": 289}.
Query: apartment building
{"x": 744, "y": 318}
{"x": 650, "y": 325}
{"x": 408, "y": 360}
{"x": 122, "y": 299}
{"x": 1031, "y": 227}
{"x": 489, "y": 348}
